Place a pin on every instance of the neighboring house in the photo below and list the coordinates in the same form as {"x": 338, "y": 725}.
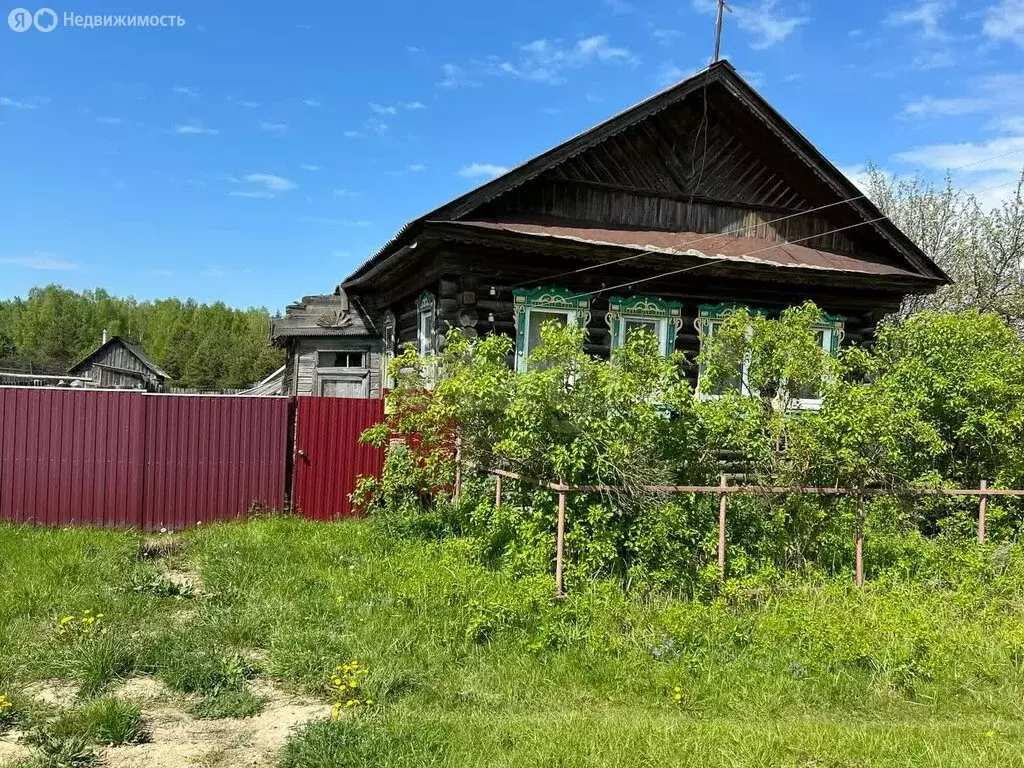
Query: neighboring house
{"x": 332, "y": 348}
{"x": 120, "y": 364}
{"x": 665, "y": 216}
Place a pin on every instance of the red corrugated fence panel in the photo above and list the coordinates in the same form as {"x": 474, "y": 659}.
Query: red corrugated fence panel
{"x": 328, "y": 455}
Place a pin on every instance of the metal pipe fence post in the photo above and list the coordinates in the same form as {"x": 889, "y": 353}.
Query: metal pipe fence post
{"x": 497, "y": 491}
{"x": 982, "y": 509}
{"x": 859, "y": 545}
{"x": 458, "y": 467}
{"x": 721, "y": 530}
{"x": 560, "y": 542}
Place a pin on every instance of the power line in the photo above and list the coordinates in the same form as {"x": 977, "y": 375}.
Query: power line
{"x": 739, "y": 230}
{"x": 751, "y": 253}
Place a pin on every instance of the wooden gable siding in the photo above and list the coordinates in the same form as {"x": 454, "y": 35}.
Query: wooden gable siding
{"x": 690, "y": 149}
{"x": 611, "y": 206}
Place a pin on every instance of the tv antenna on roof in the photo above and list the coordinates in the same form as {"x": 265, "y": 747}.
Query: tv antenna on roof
{"x": 718, "y": 28}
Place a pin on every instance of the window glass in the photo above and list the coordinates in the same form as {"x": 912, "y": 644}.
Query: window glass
{"x": 426, "y": 330}
{"x": 630, "y": 324}
{"x": 340, "y": 360}
{"x": 537, "y": 319}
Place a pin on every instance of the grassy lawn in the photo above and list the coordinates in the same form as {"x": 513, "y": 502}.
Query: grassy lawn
{"x": 469, "y": 667}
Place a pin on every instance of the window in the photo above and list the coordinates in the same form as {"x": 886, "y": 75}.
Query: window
{"x": 709, "y": 318}
{"x": 344, "y": 386}
{"x": 330, "y": 359}
{"x": 662, "y": 318}
{"x": 828, "y": 336}
{"x": 387, "y": 349}
{"x": 542, "y": 305}
{"x": 425, "y": 330}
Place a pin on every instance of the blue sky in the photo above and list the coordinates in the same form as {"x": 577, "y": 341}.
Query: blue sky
{"x": 262, "y": 150}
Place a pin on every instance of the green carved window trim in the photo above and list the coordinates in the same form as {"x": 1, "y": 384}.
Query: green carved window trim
{"x": 426, "y": 323}
{"x": 667, "y": 314}
{"x": 708, "y": 315}
{"x": 544, "y": 299}
{"x": 389, "y": 327}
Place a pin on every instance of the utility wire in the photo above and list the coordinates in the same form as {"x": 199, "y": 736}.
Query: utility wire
{"x": 740, "y": 230}
{"x": 751, "y": 253}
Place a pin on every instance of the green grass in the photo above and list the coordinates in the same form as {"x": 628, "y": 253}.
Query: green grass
{"x": 474, "y": 667}
{"x": 107, "y": 720}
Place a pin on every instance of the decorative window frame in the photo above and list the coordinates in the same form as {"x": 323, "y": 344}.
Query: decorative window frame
{"x": 708, "y": 317}
{"x": 426, "y": 315}
{"x": 668, "y": 316}
{"x": 387, "y": 348}
{"x": 545, "y": 299}
{"x": 833, "y": 329}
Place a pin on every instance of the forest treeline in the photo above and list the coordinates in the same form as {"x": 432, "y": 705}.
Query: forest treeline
{"x": 207, "y": 346}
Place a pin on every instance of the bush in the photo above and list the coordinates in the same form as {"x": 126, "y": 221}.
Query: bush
{"x": 108, "y": 720}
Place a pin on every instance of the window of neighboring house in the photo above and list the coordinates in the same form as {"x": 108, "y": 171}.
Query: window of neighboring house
{"x": 532, "y": 309}
{"x": 331, "y": 359}
{"x": 388, "y": 349}
{"x": 427, "y": 323}
{"x": 661, "y": 318}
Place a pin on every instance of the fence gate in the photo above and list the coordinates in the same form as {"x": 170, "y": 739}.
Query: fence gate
{"x": 328, "y": 455}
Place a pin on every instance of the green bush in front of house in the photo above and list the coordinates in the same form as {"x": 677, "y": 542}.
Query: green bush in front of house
{"x": 938, "y": 401}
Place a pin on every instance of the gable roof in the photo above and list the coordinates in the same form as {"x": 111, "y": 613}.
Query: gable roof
{"x": 134, "y": 349}
{"x": 722, "y": 73}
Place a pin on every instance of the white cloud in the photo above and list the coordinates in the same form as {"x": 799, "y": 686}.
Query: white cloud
{"x": 475, "y": 170}
{"x": 1009, "y": 124}
{"x": 926, "y": 15}
{"x": 548, "y": 61}
{"x": 212, "y": 272}
{"x": 273, "y": 127}
{"x": 416, "y": 167}
{"x": 312, "y": 102}
{"x": 413, "y": 49}
{"x": 381, "y": 109}
{"x": 246, "y": 104}
{"x": 412, "y": 105}
{"x": 350, "y": 134}
{"x": 33, "y": 103}
{"x": 1002, "y": 93}
{"x": 664, "y": 36}
{"x": 309, "y": 167}
{"x": 195, "y": 128}
{"x": 109, "y": 120}
{"x": 765, "y": 22}
{"x": 270, "y": 181}
{"x": 342, "y": 192}
{"x": 453, "y": 76}
{"x": 42, "y": 261}
{"x": 1004, "y": 21}
{"x": 999, "y": 154}
{"x": 928, "y": 106}
{"x": 858, "y": 174}
{"x": 185, "y": 91}
{"x": 670, "y": 74}
{"x": 932, "y": 60}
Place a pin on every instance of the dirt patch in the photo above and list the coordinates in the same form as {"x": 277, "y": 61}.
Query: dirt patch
{"x": 188, "y": 581}
{"x": 55, "y": 693}
{"x": 178, "y": 739}
{"x": 10, "y": 751}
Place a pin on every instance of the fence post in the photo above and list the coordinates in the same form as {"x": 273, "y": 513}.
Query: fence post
{"x": 560, "y": 542}
{"x": 721, "y": 529}
{"x": 497, "y": 492}
{"x": 458, "y": 467}
{"x": 982, "y": 509}
{"x": 859, "y": 544}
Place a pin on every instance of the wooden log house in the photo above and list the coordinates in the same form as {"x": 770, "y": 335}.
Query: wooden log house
{"x": 665, "y": 216}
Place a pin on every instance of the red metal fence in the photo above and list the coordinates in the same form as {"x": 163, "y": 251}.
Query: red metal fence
{"x": 328, "y": 454}
{"x": 148, "y": 461}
